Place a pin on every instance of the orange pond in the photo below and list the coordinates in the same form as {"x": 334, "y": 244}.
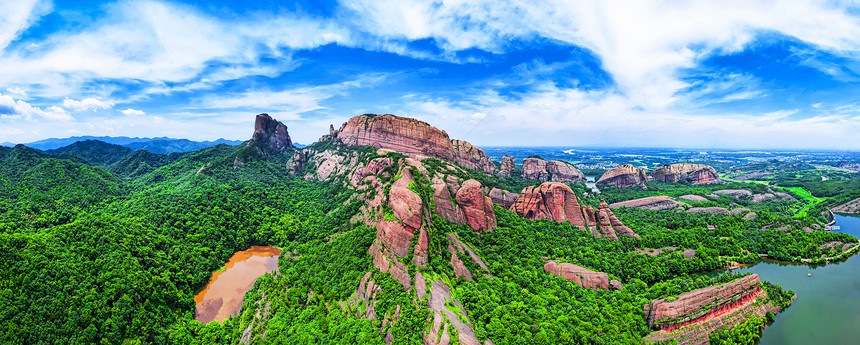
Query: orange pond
{"x": 222, "y": 297}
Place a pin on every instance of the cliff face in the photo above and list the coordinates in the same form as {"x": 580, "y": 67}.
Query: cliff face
{"x": 535, "y": 169}
{"x": 694, "y": 173}
{"x": 556, "y": 201}
{"x": 623, "y": 176}
{"x": 270, "y": 135}
{"x": 411, "y": 137}
{"x": 564, "y": 172}
{"x": 695, "y": 305}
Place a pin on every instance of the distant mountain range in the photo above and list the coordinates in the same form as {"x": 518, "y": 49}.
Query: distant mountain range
{"x": 155, "y": 145}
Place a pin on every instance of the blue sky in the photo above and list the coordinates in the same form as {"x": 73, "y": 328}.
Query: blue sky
{"x": 725, "y": 74}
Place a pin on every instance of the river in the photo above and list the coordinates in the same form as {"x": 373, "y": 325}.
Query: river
{"x": 827, "y": 308}
{"x": 222, "y": 296}
{"x": 590, "y": 183}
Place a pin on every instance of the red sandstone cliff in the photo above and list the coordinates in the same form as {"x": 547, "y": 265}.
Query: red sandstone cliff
{"x": 623, "y": 176}
{"x": 411, "y": 137}
{"x": 690, "y": 306}
{"x": 581, "y": 276}
{"x": 564, "y": 172}
{"x": 556, "y": 201}
{"x": 535, "y": 169}
{"x": 507, "y": 166}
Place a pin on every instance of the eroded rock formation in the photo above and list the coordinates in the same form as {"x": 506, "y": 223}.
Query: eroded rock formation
{"x": 694, "y": 305}
{"x": 556, "y": 201}
{"x": 476, "y": 208}
{"x": 564, "y": 172}
{"x": 502, "y": 198}
{"x": 270, "y": 135}
{"x": 581, "y": 276}
{"x": 411, "y": 137}
{"x": 623, "y": 176}
{"x": 507, "y": 166}
{"x": 693, "y": 173}
{"x": 535, "y": 169}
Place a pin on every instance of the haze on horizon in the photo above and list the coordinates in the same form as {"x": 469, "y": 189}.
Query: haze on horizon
{"x": 709, "y": 74}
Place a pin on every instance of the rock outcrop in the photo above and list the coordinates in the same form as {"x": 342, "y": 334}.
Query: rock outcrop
{"x": 476, "y": 208}
{"x": 507, "y": 167}
{"x": 270, "y": 135}
{"x": 697, "y": 304}
{"x": 623, "y": 176}
{"x": 690, "y": 172}
{"x": 535, "y": 169}
{"x": 411, "y": 137}
{"x": 550, "y": 200}
{"x": 556, "y": 201}
{"x": 503, "y": 198}
{"x": 564, "y": 172}
{"x": 654, "y": 203}
{"x": 581, "y": 276}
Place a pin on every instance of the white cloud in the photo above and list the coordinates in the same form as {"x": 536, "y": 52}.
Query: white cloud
{"x": 17, "y": 16}
{"x": 85, "y": 104}
{"x": 133, "y": 112}
{"x": 17, "y": 92}
{"x": 10, "y": 109}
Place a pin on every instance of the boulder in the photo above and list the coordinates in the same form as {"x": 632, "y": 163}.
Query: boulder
{"x": 623, "y": 176}
{"x": 270, "y": 135}
{"x": 564, "y": 172}
{"x": 581, "y": 276}
{"x": 690, "y": 172}
{"x": 503, "y": 198}
{"x": 535, "y": 169}
{"x": 476, "y": 209}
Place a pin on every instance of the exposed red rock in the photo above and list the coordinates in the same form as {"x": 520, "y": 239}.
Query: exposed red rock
{"x": 270, "y": 135}
{"x": 694, "y": 173}
{"x": 654, "y": 203}
{"x": 581, "y": 276}
{"x": 444, "y": 205}
{"x": 458, "y": 249}
{"x": 503, "y": 198}
{"x": 690, "y": 306}
{"x": 476, "y": 209}
{"x": 623, "y": 176}
{"x": 407, "y": 205}
{"x": 550, "y": 200}
{"x": 420, "y": 254}
{"x": 606, "y": 229}
{"x": 564, "y": 172}
{"x": 392, "y": 242}
{"x": 411, "y": 137}
{"x": 617, "y": 225}
{"x": 507, "y": 167}
{"x": 535, "y": 169}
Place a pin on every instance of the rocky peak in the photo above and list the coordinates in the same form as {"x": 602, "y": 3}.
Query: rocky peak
{"x": 411, "y": 137}
{"x": 694, "y": 173}
{"x": 507, "y": 166}
{"x": 625, "y": 175}
{"x": 535, "y": 169}
{"x": 564, "y": 172}
{"x": 550, "y": 200}
{"x": 270, "y": 135}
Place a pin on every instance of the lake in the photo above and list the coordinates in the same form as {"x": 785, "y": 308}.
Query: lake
{"x": 827, "y": 308}
{"x": 222, "y": 296}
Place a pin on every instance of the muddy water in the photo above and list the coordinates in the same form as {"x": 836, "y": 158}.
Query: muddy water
{"x": 222, "y": 297}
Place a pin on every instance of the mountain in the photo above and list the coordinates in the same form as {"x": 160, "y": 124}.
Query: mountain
{"x": 157, "y": 145}
{"x": 177, "y": 145}
{"x": 7, "y": 144}
{"x": 392, "y": 233}
{"x": 94, "y": 152}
